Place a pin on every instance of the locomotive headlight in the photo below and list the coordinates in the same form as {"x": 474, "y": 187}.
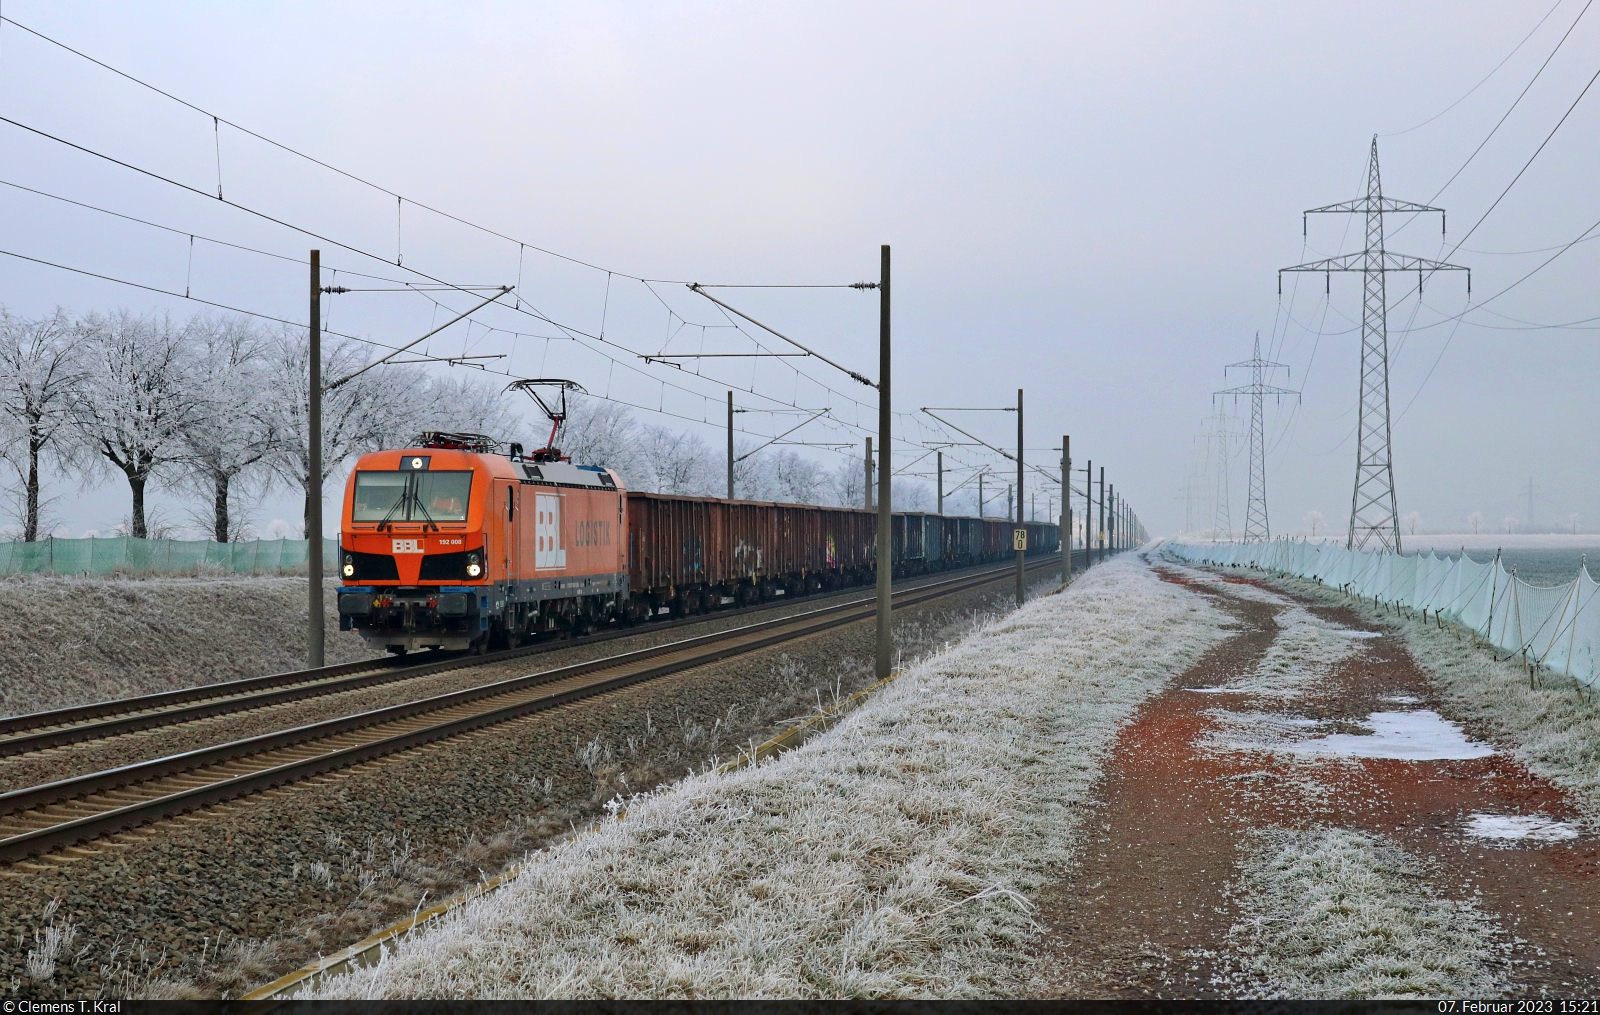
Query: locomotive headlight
{"x": 473, "y": 567}
{"x": 349, "y": 568}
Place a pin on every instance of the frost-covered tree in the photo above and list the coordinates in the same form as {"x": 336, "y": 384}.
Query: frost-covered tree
{"x": 361, "y": 414}
{"x": 753, "y": 475}
{"x": 798, "y": 479}
{"x": 845, "y": 484}
{"x": 598, "y": 432}
{"x": 232, "y": 432}
{"x": 910, "y": 495}
{"x": 39, "y": 379}
{"x": 1476, "y": 521}
{"x": 136, "y": 398}
{"x": 470, "y": 404}
{"x": 1314, "y": 521}
{"x": 678, "y": 463}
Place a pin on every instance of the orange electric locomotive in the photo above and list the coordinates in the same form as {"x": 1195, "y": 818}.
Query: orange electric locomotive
{"x": 451, "y": 545}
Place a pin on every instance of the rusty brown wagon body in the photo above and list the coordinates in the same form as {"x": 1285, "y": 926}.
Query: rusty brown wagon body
{"x": 687, "y": 554}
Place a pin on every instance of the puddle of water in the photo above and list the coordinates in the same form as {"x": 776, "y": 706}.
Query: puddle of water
{"x": 1422, "y": 735}
{"x": 1216, "y": 690}
{"x": 1402, "y": 699}
{"x": 1511, "y": 827}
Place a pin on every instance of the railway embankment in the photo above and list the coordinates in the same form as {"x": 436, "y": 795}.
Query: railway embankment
{"x": 73, "y": 640}
{"x": 897, "y": 854}
{"x": 230, "y": 896}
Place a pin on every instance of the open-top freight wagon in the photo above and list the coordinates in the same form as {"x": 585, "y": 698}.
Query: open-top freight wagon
{"x": 452, "y": 545}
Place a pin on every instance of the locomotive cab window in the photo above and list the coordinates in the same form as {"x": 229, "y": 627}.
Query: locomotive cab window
{"x": 378, "y": 496}
{"x": 443, "y": 495}
{"x": 411, "y": 496}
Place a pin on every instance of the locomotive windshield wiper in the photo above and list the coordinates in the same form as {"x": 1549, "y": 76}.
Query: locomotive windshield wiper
{"x": 409, "y": 496}
{"x": 417, "y": 500}
{"x": 399, "y": 502}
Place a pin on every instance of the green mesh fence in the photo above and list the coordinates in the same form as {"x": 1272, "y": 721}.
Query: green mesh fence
{"x": 127, "y": 555}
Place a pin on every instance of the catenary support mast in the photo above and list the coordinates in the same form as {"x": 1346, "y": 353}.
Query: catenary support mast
{"x": 314, "y": 633}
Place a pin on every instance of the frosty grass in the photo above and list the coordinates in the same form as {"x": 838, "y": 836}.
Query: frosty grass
{"x": 1333, "y": 913}
{"x": 893, "y": 856}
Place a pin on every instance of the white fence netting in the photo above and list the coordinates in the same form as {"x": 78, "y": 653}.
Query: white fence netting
{"x": 1555, "y": 628}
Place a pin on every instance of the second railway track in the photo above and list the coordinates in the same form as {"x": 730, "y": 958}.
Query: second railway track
{"x": 39, "y": 731}
{"x": 61, "y": 815}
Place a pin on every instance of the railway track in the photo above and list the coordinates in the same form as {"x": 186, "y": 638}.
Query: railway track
{"x": 60, "y": 815}
{"x": 24, "y": 734}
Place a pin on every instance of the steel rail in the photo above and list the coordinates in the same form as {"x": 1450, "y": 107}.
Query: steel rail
{"x": 30, "y": 721}
{"x": 38, "y": 731}
{"x": 174, "y": 797}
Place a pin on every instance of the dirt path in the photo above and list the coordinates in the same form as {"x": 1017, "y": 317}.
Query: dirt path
{"x": 1147, "y": 912}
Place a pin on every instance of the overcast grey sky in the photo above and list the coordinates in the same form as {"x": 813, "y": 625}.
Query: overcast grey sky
{"x": 1087, "y": 201}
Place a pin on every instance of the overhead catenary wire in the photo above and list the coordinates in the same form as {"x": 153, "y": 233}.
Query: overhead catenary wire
{"x": 311, "y": 233}
{"x": 400, "y": 201}
{"x": 212, "y": 239}
{"x": 526, "y": 308}
{"x": 181, "y": 296}
{"x": 217, "y": 118}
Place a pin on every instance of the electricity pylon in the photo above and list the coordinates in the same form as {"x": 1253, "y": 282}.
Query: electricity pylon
{"x": 1255, "y": 515}
{"x": 1217, "y": 437}
{"x": 1373, "y": 511}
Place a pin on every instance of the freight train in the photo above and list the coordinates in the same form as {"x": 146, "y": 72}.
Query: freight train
{"x": 453, "y": 545}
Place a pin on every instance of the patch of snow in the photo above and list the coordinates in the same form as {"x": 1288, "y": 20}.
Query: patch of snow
{"x": 892, "y": 856}
{"x": 1553, "y": 729}
{"x": 1420, "y": 735}
{"x": 1331, "y": 913}
{"x": 1401, "y": 699}
{"x": 1520, "y": 826}
{"x": 1216, "y": 690}
{"x": 1345, "y": 632}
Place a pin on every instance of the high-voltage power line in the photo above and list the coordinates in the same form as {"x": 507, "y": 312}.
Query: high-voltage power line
{"x": 1373, "y": 511}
